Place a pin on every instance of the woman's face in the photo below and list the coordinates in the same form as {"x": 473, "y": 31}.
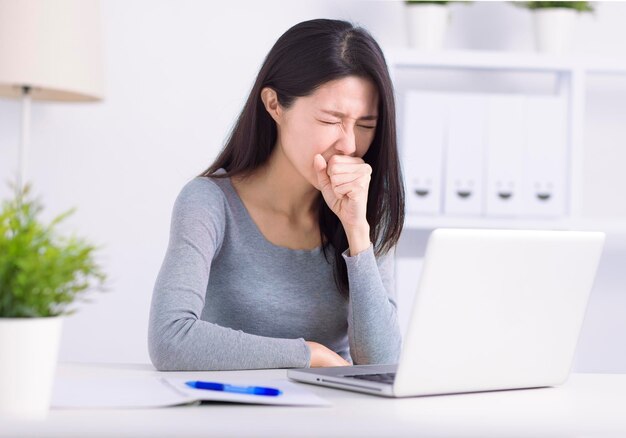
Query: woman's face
{"x": 338, "y": 118}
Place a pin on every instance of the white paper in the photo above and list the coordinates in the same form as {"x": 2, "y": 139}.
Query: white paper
{"x": 115, "y": 392}
{"x": 292, "y": 393}
{"x": 153, "y": 392}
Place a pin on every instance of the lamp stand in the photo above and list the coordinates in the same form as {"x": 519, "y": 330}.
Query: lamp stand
{"x": 24, "y": 137}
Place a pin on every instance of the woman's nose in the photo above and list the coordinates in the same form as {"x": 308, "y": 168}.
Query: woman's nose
{"x": 346, "y": 145}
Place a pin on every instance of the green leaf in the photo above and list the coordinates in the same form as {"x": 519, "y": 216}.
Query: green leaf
{"x": 41, "y": 271}
{"x": 578, "y": 6}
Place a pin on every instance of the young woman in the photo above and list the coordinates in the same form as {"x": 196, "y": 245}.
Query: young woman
{"x": 281, "y": 252}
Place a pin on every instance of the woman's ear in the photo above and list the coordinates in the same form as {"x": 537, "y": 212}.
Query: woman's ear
{"x": 272, "y": 106}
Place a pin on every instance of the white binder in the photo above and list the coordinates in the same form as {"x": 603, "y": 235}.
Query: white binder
{"x": 422, "y": 148}
{"x": 464, "y": 154}
{"x": 545, "y": 157}
{"x": 504, "y": 143}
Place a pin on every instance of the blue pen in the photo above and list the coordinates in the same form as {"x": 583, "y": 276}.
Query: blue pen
{"x": 214, "y": 386}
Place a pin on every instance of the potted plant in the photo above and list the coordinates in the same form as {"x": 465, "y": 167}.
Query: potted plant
{"x": 427, "y": 23}
{"x": 554, "y": 23}
{"x": 41, "y": 275}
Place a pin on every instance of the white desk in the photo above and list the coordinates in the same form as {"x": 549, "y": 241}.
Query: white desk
{"x": 588, "y": 405}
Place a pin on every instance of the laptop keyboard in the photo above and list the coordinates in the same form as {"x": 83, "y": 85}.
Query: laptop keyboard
{"x": 380, "y": 378}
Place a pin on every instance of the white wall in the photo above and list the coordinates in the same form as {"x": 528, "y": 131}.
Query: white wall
{"x": 177, "y": 74}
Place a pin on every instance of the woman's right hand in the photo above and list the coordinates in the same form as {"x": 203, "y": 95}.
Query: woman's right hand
{"x": 324, "y": 357}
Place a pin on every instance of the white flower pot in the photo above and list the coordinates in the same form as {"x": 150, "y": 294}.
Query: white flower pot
{"x": 427, "y": 25}
{"x": 554, "y": 29}
{"x": 28, "y": 351}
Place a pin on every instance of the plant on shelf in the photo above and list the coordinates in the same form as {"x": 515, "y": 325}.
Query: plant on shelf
{"x": 554, "y": 23}
{"x": 577, "y": 6}
{"x": 41, "y": 274}
{"x": 427, "y": 23}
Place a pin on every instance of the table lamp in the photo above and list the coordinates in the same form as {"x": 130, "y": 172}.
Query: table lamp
{"x": 49, "y": 51}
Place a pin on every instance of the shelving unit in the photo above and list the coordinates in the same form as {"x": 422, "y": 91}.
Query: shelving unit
{"x": 571, "y": 73}
{"x": 517, "y": 61}
{"x": 581, "y": 224}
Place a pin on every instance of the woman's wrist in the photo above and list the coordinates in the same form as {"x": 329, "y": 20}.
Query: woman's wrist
{"x": 358, "y": 239}
{"x": 322, "y": 356}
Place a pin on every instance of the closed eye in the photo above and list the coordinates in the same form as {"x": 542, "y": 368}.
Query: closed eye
{"x": 338, "y": 123}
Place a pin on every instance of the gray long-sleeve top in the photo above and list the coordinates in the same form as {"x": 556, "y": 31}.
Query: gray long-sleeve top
{"x": 226, "y": 298}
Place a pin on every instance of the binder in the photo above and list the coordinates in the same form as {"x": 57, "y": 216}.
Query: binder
{"x": 464, "y": 152}
{"x": 545, "y": 157}
{"x": 504, "y": 143}
{"x": 422, "y": 149}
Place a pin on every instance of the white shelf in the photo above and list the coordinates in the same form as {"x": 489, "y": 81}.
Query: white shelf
{"x": 609, "y": 225}
{"x": 501, "y": 60}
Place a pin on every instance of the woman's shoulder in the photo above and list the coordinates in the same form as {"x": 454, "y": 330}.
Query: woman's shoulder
{"x": 202, "y": 195}
{"x": 201, "y": 187}
{"x": 200, "y": 212}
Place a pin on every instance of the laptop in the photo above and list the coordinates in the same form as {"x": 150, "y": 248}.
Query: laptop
{"x": 494, "y": 310}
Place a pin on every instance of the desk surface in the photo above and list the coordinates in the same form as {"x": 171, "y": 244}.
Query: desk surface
{"x": 587, "y": 405}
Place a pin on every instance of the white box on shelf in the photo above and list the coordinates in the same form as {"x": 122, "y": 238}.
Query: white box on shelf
{"x": 422, "y": 149}
{"x": 545, "y": 156}
{"x": 504, "y": 143}
{"x": 464, "y": 154}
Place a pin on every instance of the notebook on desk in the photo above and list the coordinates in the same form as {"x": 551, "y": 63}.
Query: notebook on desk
{"x": 494, "y": 310}
{"x": 151, "y": 391}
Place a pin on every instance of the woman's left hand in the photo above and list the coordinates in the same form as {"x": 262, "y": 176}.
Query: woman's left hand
{"x": 344, "y": 183}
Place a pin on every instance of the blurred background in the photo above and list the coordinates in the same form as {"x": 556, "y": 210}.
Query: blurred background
{"x": 177, "y": 74}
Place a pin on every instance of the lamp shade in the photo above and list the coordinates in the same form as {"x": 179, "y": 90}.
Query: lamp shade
{"x": 52, "y": 46}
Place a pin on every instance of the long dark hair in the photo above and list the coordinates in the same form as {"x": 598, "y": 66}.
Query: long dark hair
{"x": 305, "y": 57}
